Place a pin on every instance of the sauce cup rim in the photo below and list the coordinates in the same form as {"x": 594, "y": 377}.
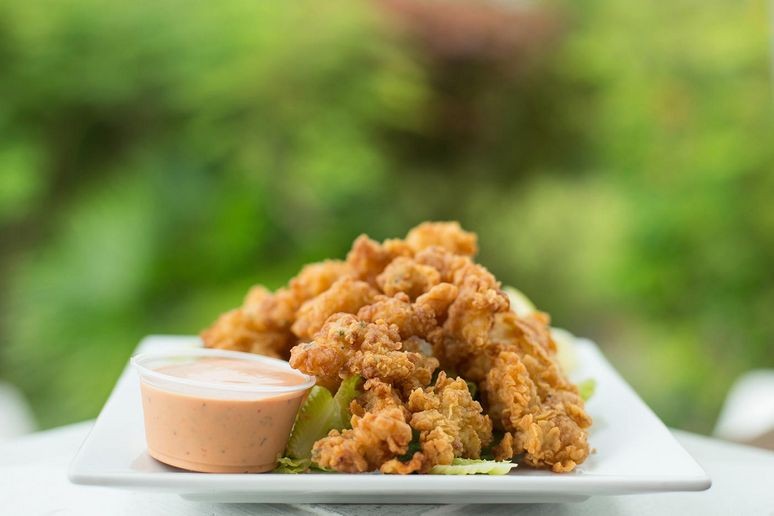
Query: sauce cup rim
{"x": 138, "y": 363}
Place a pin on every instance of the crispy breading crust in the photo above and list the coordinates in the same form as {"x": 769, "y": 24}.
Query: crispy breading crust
{"x": 405, "y": 275}
{"x": 346, "y": 346}
{"x": 374, "y": 439}
{"x": 448, "y": 235}
{"x": 448, "y": 421}
{"x": 529, "y": 397}
{"x": 263, "y": 323}
{"x": 346, "y": 295}
{"x": 394, "y": 312}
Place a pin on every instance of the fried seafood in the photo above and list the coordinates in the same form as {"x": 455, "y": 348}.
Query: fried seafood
{"x": 421, "y": 322}
{"x": 448, "y": 235}
{"x": 404, "y": 275}
{"x": 380, "y": 432}
{"x": 374, "y": 439}
{"x": 368, "y": 258}
{"x": 450, "y": 422}
{"x": 346, "y": 296}
{"x": 263, "y": 323}
{"x": 529, "y": 397}
{"x": 347, "y": 346}
{"x": 260, "y": 326}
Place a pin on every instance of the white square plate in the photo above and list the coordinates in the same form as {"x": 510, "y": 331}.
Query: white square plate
{"x": 635, "y": 454}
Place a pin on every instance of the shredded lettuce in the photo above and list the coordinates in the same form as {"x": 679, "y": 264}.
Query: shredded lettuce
{"x": 474, "y": 467}
{"x": 472, "y": 388}
{"x": 288, "y": 465}
{"x": 586, "y": 388}
{"x": 320, "y": 413}
{"x": 413, "y": 447}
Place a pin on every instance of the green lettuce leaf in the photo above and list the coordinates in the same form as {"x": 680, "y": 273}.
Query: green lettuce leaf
{"x": 586, "y": 388}
{"x": 288, "y": 465}
{"x": 473, "y": 467}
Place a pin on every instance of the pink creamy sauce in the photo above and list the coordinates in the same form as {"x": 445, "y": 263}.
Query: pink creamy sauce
{"x": 222, "y": 431}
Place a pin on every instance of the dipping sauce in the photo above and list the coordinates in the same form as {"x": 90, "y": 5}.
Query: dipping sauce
{"x": 232, "y": 371}
{"x": 219, "y": 411}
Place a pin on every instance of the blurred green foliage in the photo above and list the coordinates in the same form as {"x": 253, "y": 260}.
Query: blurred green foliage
{"x": 157, "y": 159}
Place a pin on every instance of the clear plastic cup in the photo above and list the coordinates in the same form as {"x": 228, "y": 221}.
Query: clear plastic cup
{"x": 218, "y": 424}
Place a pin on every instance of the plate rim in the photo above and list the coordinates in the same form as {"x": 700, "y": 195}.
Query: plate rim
{"x": 183, "y": 483}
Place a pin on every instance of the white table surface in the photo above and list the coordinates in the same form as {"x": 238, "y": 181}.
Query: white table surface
{"x": 33, "y": 481}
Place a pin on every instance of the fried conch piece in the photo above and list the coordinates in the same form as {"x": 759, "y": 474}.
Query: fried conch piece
{"x": 379, "y": 433}
{"x": 316, "y": 278}
{"x": 472, "y": 313}
{"x": 236, "y": 331}
{"x": 374, "y": 439}
{"x": 262, "y": 324}
{"x": 449, "y": 265}
{"x": 368, "y": 258}
{"x": 347, "y": 346}
{"x": 419, "y": 319}
{"x": 395, "y": 311}
{"x": 529, "y": 397}
{"x": 377, "y": 395}
{"x": 259, "y": 326}
{"x": 405, "y": 275}
{"x": 448, "y": 235}
{"x": 449, "y": 422}
{"x": 346, "y": 295}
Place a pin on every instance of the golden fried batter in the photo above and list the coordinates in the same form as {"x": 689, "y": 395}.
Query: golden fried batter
{"x": 377, "y": 395}
{"x": 379, "y": 433}
{"x": 368, "y": 258}
{"x": 448, "y": 235}
{"x": 404, "y": 274}
{"x": 347, "y": 345}
{"x": 263, "y": 323}
{"x": 316, "y": 278}
{"x": 236, "y": 331}
{"x": 374, "y": 439}
{"x": 448, "y": 264}
{"x": 450, "y": 423}
{"x": 472, "y": 314}
{"x": 410, "y": 319}
{"x": 259, "y": 326}
{"x": 529, "y": 397}
{"x": 503, "y": 450}
{"x": 346, "y": 295}
{"x": 437, "y": 300}
{"x": 394, "y": 312}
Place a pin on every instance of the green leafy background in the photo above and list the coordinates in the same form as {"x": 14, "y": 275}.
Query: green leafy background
{"x": 615, "y": 158}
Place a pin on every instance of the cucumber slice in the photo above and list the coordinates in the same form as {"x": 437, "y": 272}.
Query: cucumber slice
{"x": 314, "y": 420}
{"x": 348, "y": 391}
{"x": 320, "y": 414}
{"x": 473, "y": 467}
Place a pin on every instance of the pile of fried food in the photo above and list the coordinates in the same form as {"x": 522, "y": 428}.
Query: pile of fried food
{"x": 427, "y": 328}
